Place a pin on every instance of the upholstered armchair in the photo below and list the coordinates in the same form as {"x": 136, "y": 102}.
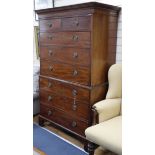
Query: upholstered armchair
{"x": 108, "y": 133}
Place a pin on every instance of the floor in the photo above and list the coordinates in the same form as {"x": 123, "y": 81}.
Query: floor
{"x": 38, "y": 152}
{"x": 98, "y": 151}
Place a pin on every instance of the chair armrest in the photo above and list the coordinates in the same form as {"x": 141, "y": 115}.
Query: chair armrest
{"x": 108, "y": 108}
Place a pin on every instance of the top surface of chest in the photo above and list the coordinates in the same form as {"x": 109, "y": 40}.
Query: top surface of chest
{"x": 78, "y": 9}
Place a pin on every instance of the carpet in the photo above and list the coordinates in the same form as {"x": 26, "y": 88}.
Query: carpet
{"x": 52, "y": 144}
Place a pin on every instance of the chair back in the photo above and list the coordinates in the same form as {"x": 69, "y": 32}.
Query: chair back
{"x": 115, "y": 82}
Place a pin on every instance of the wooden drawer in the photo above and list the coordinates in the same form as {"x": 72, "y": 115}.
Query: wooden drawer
{"x": 50, "y": 25}
{"x": 63, "y": 119}
{"x": 71, "y": 106}
{"x": 81, "y": 39}
{"x": 64, "y": 89}
{"x": 76, "y": 23}
{"x": 65, "y": 54}
{"x": 65, "y": 72}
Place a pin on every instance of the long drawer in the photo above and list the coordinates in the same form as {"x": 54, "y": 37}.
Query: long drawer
{"x": 65, "y": 72}
{"x": 81, "y": 23}
{"x": 66, "y": 54}
{"x": 64, "y": 89}
{"x": 71, "y": 106}
{"x": 80, "y": 39}
{"x": 64, "y": 120}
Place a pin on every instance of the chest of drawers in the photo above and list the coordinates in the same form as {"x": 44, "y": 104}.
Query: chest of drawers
{"x": 77, "y": 45}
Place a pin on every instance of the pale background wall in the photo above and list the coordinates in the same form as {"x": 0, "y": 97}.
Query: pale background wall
{"x": 119, "y": 40}
{"x": 119, "y": 31}
{"x": 67, "y": 2}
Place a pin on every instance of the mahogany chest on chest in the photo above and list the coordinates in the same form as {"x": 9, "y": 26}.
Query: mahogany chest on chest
{"x": 77, "y": 45}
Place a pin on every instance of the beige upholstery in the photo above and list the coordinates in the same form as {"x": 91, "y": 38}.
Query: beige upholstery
{"x": 107, "y": 133}
{"x": 115, "y": 81}
{"x": 108, "y": 108}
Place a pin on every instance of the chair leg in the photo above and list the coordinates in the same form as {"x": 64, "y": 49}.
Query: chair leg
{"x": 91, "y": 148}
{"x": 41, "y": 121}
{"x": 86, "y": 146}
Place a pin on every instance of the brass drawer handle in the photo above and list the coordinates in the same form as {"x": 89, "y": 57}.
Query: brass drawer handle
{"x": 74, "y": 124}
{"x": 50, "y": 37}
{"x": 74, "y": 92}
{"x": 74, "y": 107}
{"x": 49, "y": 113}
{"x": 49, "y": 84}
{"x": 75, "y": 37}
{"x": 50, "y": 25}
{"x": 50, "y": 68}
{"x": 76, "y": 22}
{"x": 75, "y": 73}
{"x": 75, "y": 55}
{"x": 50, "y": 52}
{"x": 50, "y": 98}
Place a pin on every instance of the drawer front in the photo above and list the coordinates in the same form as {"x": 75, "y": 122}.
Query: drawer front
{"x": 64, "y": 54}
{"x": 68, "y": 105}
{"x": 82, "y": 23}
{"x": 76, "y": 23}
{"x": 81, "y": 39}
{"x": 64, "y": 89}
{"x": 64, "y": 120}
{"x": 50, "y": 25}
{"x": 65, "y": 72}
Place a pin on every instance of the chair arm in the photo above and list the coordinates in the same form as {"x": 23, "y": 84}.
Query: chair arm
{"x": 108, "y": 108}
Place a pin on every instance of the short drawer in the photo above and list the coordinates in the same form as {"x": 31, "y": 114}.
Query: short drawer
{"x": 63, "y": 119}
{"x": 76, "y": 23}
{"x": 81, "y": 39}
{"x": 66, "y": 54}
{"x": 50, "y": 25}
{"x": 65, "y": 72}
{"x": 71, "y": 106}
{"x": 64, "y": 89}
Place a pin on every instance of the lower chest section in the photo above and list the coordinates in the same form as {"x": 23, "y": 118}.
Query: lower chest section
{"x": 65, "y": 104}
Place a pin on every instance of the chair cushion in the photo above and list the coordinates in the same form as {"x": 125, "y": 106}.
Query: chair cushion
{"x": 107, "y": 134}
{"x": 115, "y": 82}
